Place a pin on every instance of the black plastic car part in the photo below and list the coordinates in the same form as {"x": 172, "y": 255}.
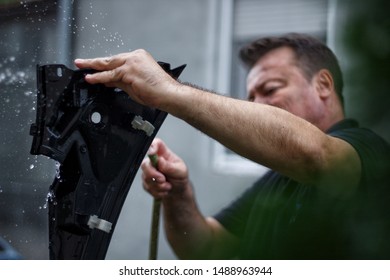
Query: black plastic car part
{"x": 99, "y": 137}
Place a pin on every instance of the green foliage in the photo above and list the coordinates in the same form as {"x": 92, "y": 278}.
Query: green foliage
{"x": 367, "y": 39}
{"x": 6, "y": 2}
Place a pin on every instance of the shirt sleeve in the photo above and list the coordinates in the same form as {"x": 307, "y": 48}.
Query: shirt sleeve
{"x": 373, "y": 151}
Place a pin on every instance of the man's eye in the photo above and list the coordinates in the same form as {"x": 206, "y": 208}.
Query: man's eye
{"x": 269, "y": 91}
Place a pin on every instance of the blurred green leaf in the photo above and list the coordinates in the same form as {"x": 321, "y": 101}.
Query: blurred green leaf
{"x": 367, "y": 40}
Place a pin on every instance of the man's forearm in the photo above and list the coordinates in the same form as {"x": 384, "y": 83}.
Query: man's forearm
{"x": 186, "y": 229}
{"x": 262, "y": 133}
{"x": 265, "y": 134}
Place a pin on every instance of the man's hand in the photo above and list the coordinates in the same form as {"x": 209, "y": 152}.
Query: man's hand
{"x": 137, "y": 73}
{"x": 191, "y": 235}
{"x": 170, "y": 176}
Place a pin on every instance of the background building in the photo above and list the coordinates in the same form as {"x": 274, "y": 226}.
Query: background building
{"x": 204, "y": 34}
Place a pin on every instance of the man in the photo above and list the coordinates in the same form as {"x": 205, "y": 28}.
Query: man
{"x": 327, "y": 174}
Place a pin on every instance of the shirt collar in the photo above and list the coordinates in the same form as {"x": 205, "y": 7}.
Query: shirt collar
{"x": 343, "y": 124}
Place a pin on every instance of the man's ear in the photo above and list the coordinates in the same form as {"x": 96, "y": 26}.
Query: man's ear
{"x": 324, "y": 83}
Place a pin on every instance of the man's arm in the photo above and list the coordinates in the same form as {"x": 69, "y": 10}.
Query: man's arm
{"x": 268, "y": 135}
{"x": 191, "y": 235}
{"x": 272, "y": 137}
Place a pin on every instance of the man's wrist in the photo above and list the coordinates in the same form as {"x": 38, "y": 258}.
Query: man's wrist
{"x": 179, "y": 193}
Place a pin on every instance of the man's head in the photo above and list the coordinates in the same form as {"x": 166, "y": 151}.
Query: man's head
{"x": 311, "y": 55}
{"x": 304, "y": 72}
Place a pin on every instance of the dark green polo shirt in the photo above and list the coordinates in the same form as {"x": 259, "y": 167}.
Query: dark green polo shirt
{"x": 279, "y": 218}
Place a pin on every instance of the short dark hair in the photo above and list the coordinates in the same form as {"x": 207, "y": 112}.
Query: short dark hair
{"x": 312, "y": 55}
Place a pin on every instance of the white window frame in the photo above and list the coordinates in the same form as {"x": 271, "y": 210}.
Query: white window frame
{"x": 223, "y": 161}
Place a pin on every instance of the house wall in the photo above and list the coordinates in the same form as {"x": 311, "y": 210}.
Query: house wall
{"x": 174, "y": 31}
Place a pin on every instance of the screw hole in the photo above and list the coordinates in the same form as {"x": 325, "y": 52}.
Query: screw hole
{"x": 96, "y": 117}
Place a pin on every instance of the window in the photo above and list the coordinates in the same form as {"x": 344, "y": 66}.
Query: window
{"x": 243, "y": 21}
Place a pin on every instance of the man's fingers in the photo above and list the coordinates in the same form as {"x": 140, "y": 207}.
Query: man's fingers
{"x": 149, "y": 172}
{"x": 157, "y": 190}
{"x": 110, "y": 68}
{"x": 101, "y": 63}
{"x": 105, "y": 77}
{"x": 153, "y": 147}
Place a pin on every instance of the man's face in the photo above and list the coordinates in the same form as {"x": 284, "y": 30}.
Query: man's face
{"x": 277, "y": 81}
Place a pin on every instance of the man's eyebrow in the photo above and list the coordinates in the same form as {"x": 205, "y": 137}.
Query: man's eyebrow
{"x": 272, "y": 80}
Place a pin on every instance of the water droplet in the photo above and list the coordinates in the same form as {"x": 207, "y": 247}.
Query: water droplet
{"x": 50, "y": 198}
{"x": 58, "y": 165}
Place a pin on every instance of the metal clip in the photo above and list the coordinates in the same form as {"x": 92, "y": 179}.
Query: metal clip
{"x": 95, "y": 222}
{"x": 140, "y": 124}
